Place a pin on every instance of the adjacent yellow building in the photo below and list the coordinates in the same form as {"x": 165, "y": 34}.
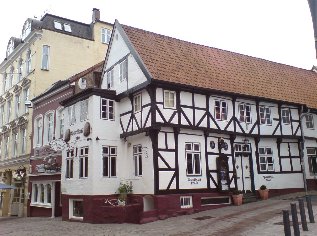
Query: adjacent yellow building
{"x": 50, "y": 49}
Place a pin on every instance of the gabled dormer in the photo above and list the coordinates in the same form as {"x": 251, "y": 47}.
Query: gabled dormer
{"x": 12, "y": 44}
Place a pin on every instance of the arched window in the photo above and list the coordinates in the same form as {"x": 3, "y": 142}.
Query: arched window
{"x": 28, "y": 62}
{"x": 38, "y": 128}
{"x": 11, "y": 76}
{"x": 49, "y": 127}
{"x": 20, "y": 70}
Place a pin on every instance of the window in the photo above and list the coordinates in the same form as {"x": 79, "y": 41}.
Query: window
{"x": 137, "y": 157}
{"x": 84, "y": 110}
{"x": 110, "y": 79}
{"x": 69, "y": 164}
{"x": 137, "y": 103}
{"x": 266, "y": 159}
{"x": 123, "y": 72}
{"x": 169, "y": 99}
{"x": 2, "y": 115}
{"x": 286, "y": 116}
{"x": 312, "y": 160}
{"x": 10, "y": 47}
{"x": 38, "y": 131}
{"x": 49, "y": 126}
{"x": 20, "y": 70}
{"x": 192, "y": 151}
{"x": 45, "y": 57}
{"x": 6, "y": 147}
{"x": 67, "y": 27}
{"x": 11, "y": 76}
{"x": 186, "y": 202}
{"x": 83, "y": 162}
{"x": 60, "y": 124}
{"x": 23, "y": 141}
{"x": 109, "y": 155}
{"x": 245, "y": 113}
{"x": 5, "y": 82}
{"x": 26, "y": 30}
{"x": 77, "y": 208}
{"x": 8, "y": 110}
{"x": 309, "y": 121}
{"x": 35, "y": 192}
{"x": 28, "y": 62}
{"x": 15, "y": 140}
{"x": 105, "y": 35}
{"x": 17, "y": 105}
{"x": 71, "y": 114}
{"x": 107, "y": 109}
{"x": 48, "y": 193}
{"x": 57, "y": 25}
{"x": 26, "y": 97}
{"x": 221, "y": 110}
{"x": 42, "y": 192}
{"x": 265, "y": 115}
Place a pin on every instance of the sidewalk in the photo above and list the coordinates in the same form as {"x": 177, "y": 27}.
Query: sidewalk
{"x": 259, "y": 218}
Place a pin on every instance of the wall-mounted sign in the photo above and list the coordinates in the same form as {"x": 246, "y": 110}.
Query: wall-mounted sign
{"x": 194, "y": 180}
{"x": 268, "y": 177}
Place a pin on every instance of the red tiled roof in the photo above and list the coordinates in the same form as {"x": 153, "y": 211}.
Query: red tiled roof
{"x": 172, "y": 60}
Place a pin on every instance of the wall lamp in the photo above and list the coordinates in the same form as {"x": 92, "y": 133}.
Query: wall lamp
{"x": 97, "y": 138}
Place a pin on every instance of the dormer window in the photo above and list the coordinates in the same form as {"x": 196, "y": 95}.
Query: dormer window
{"x": 26, "y": 30}
{"x": 57, "y": 25}
{"x": 10, "y": 47}
{"x": 67, "y": 27}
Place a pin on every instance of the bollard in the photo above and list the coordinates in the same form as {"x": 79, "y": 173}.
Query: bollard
{"x": 302, "y": 214}
{"x": 310, "y": 210}
{"x": 295, "y": 219}
{"x": 287, "y": 226}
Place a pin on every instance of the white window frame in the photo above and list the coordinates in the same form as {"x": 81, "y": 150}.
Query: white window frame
{"x": 109, "y": 161}
{"x": 309, "y": 120}
{"x": 5, "y": 82}
{"x": 11, "y": 77}
{"x": 137, "y": 159}
{"x": 26, "y": 95}
{"x": 186, "y": 201}
{"x": 20, "y": 70}
{"x": 17, "y": 105}
{"x": 67, "y": 27}
{"x": 6, "y": 146}
{"x": 38, "y": 131}
{"x": 45, "y": 57}
{"x": 169, "y": 99}
{"x": 2, "y": 120}
{"x": 110, "y": 78}
{"x": 26, "y": 30}
{"x": 265, "y": 113}
{"x": 42, "y": 196}
{"x": 245, "y": 113}
{"x": 84, "y": 110}
{"x": 221, "y": 110}
{"x": 266, "y": 159}
{"x": 23, "y": 140}
{"x": 137, "y": 103}
{"x": 286, "y": 116}
{"x": 312, "y": 154}
{"x": 15, "y": 139}
{"x": 72, "y": 114}
{"x": 69, "y": 167}
{"x": 105, "y": 35}
{"x": 193, "y": 150}
{"x": 123, "y": 70}
{"x": 107, "y": 109}
{"x": 28, "y": 63}
{"x": 83, "y": 162}
{"x": 9, "y": 110}
{"x": 60, "y": 123}
{"x": 58, "y": 25}
{"x": 71, "y": 209}
{"x": 49, "y": 127}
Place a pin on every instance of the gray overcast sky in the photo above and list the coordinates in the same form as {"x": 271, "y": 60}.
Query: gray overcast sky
{"x": 277, "y": 30}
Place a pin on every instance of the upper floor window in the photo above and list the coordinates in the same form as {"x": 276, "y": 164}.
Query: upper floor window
{"x": 123, "y": 70}
{"x": 5, "y": 82}
{"x": 107, "y": 109}
{"x": 9, "y": 110}
{"x": 245, "y": 113}
{"x": 193, "y": 159}
{"x": 10, "y": 47}
{"x": 309, "y": 121}
{"x": 265, "y": 115}
{"x": 23, "y": 140}
{"x": 169, "y": 99}
{"x": 72, "y": 114}
{"x": 20, "y": 70}
{"x": 2, "y": 115}
{"x": 26, "y": 97}
{"x": 60, "y": 124}
{"x": 11, "y": 76}
{"x": 67, "y": 27}
{"x": 57, "y": 25}
{"x": 84, "y": 110}
{"x": 49, "y": 127}
{"x": 286, "y": 116}
{"x": 17, "y": 105}
{"x": 266, "y": 159}
{"x": 312, "y": 160}
{"x": 6, "y": 147}
{"x": 137, "y": 157}
{"x": 26, "y": 29}
{"x": 137, "y": 103}
{"x": 45, "y": 57}
{"x": 105, "y": 35}
{"x": 69, "y": 164}
{"x": 83, "y": 162}
{"x": 221, "y": 110}
{"x": 109, "y": 155}
{"x": 28, "y": 61}
{"x": 38, "y": 128}
{"x": 110, "y": 79}
{"x": 15, "y": 140}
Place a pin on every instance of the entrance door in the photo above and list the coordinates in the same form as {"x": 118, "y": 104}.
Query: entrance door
{"x": 17, "y": 202}
{"x": 242, "y": 165}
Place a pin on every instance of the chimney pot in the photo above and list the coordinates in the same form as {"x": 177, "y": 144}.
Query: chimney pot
{"x": 95, "y": 14}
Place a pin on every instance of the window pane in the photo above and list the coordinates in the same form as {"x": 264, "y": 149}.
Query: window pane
{"x": 197, "y": 163}
{"x": 263, "y": 166}
{"x": 105, "y": 166}
{"x": 140, "y": 164}
{"x": 262, "y": 160}
{"x": 113, "y": 166}
{"x": 188, "y": 146}
{"x": 189, "y": 164}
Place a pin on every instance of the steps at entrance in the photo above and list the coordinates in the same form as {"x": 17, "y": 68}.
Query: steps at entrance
{"x": 249, "y": 197}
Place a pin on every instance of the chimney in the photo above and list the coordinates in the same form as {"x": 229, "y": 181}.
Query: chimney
{"x": 313, "y": 11}
{"x": 95, "y": 14}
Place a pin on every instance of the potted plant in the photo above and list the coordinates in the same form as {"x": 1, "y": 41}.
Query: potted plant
{"x": 237, "y": 197}
{"x": 264, "y": 192}
{"x": 123, "y": 191}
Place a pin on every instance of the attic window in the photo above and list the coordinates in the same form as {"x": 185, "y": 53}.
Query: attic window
{"x": 67, "y": 27}
{"x": 57, "y": 25}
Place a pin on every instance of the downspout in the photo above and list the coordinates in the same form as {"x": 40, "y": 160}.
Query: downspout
{"x": 302, "y": 155}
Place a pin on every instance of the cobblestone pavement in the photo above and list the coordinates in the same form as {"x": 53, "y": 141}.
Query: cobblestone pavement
{"x": 259, "y": 218}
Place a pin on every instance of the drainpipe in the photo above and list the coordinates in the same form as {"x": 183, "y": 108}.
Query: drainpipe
{"x": 301, "y": 117}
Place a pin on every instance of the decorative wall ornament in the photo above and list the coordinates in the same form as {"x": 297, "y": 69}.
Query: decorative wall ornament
{"x": 2, "y": 100}
{"x": 67, "y": 135}
{"x": 25, "y": 82}
{"x": 87, "y": 129}
{"x": 8, "y": 96}
{"x": 212, "y": 144}
{"x": 17, "y": 89}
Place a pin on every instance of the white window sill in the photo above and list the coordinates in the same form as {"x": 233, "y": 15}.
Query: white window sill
{"x": 44, "y": 205}
{"x": 76, "y": 218}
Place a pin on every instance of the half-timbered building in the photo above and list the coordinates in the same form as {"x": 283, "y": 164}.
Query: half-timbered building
{"x": 185, "y": 124}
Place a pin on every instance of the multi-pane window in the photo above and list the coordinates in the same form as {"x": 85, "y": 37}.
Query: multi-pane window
{"x": 26, "y": 30}
{"x": 15, "y": 140}
{"x": 186, "y": 202}
{"x": 169, "y": 99}
{"x": 266, "y": 159}
{"x": 137, "y": 103}
{"x": 309, "y": 121}
{"x": 83, "y": 162}
{"x": 110, "y": 79}
{"x": 72, "y": 114}
{"x": 107, "y": 109}
{"x": 109, "y": 155}
{"x": 193, "y": 152}
{"x": 49, "y": 127}
{"x": 221, "y": 110}
{"x": 42, "y": 192}
{"x": 6, "y": 147}
{"x": 69, "y": 164}
{"x": 17, "y": 105}
{"x": 105, "y": 35}
{"x": 26, "y": 97}
{"x": 2, "y": 115}
{"x": 84, "y": 110}
{"x": 286, "y": 116}
{"x": 61, "y": 123}
{"x": 312, "y": 160}
{"x": 11, "y": 76}
{"x": 28, "y": 63}
{"x": 245, "y": 113}
{"x": 20, "y": 70}
{"x": 5, "y": 82}
{"x": 8, "y": 110}
{"x": 23, "y": 140}
{"x": 38, "y": 131}
{"x": 137, "y": 157}
{"x": 45, "y": 57}
{"x": 123, "y": 70}
{"x": 265, "y": 115}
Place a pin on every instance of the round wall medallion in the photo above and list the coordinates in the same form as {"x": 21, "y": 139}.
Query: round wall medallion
{"x": 67, "y": 135}
{"x": 212, "y": 144}
{"x": 87, "y": 129}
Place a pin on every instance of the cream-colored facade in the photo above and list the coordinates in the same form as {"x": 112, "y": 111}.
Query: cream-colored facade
{"x": 45, "y": 55}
